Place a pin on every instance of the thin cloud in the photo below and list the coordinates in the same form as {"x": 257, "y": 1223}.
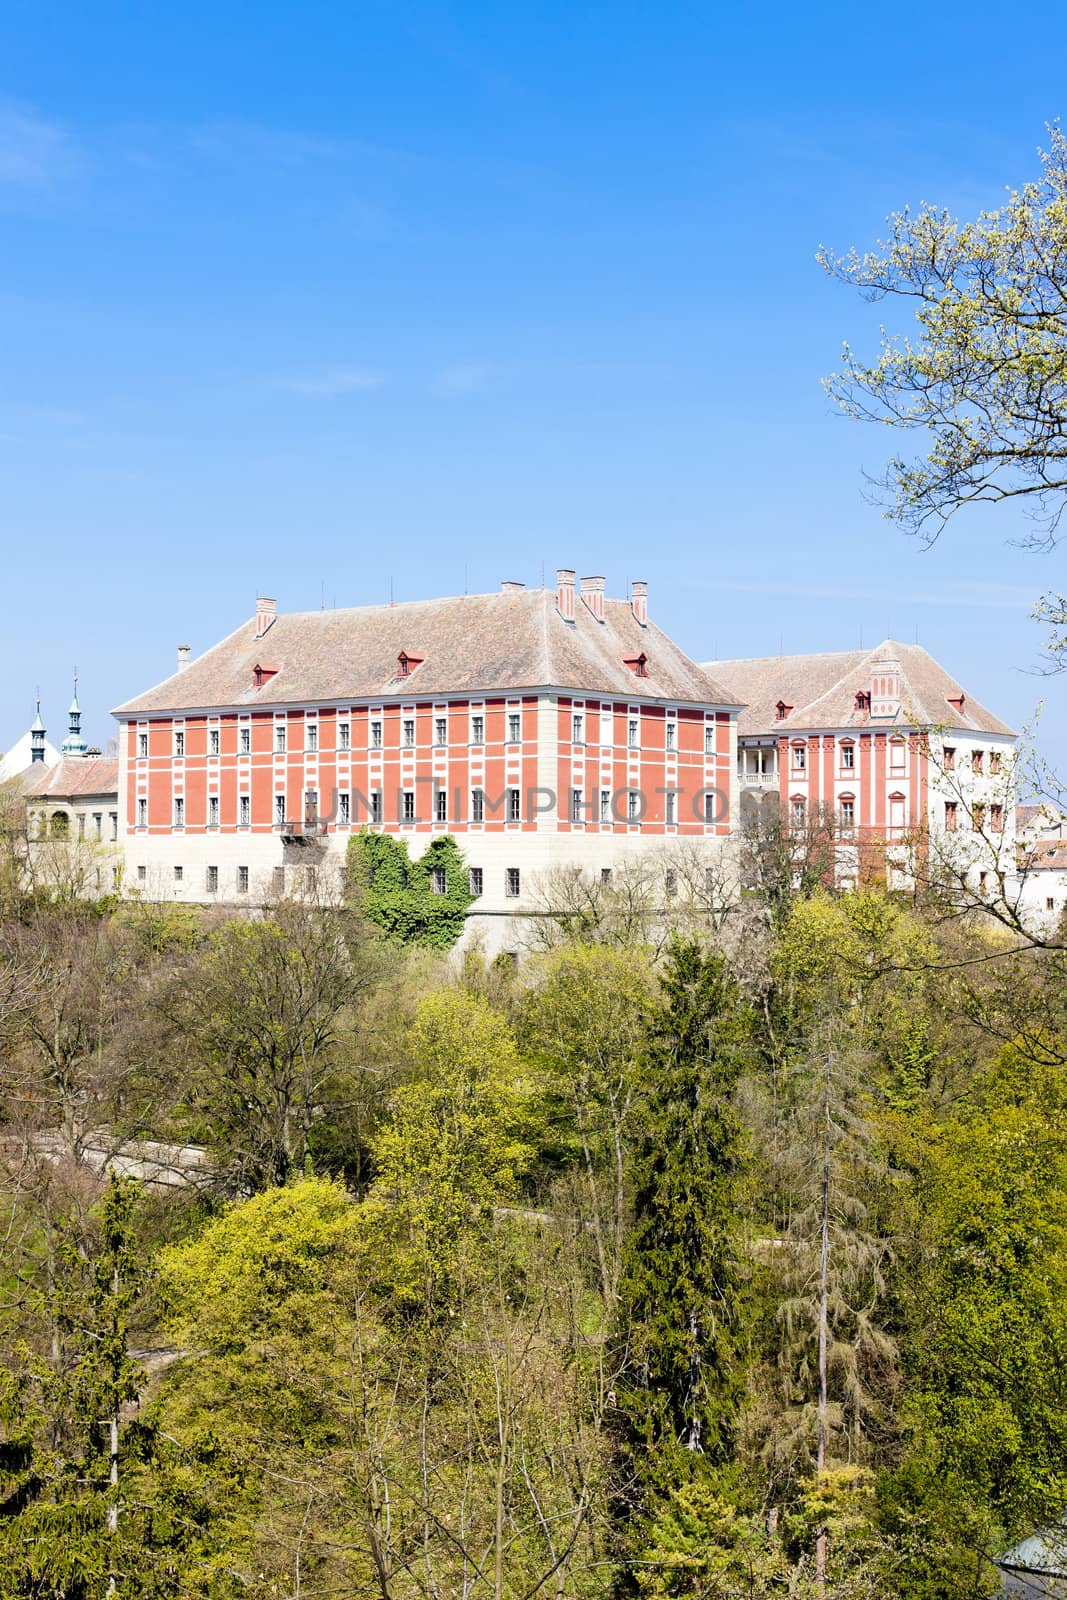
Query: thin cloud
{"x": 337, "y": 381}
{"x": 33, "y": 151}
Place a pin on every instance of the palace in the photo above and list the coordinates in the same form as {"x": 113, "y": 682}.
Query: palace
{"x": 541, "y": 728}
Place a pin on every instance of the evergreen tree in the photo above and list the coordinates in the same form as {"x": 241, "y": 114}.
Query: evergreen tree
{"x": 682, "y": 1279}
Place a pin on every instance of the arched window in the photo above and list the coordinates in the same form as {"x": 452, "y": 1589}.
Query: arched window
{"x": 59, "y": 825}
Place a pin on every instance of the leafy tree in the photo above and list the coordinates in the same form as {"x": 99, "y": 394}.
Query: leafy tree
{"x": 421, "y": 902}
{"x": 682, "y": 1288}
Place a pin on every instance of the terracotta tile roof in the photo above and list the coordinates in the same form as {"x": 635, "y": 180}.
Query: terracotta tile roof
{"x": 1046, "y": 855}
{"x": 468, "y": 644}
{"x": 822, "y": 691}
{"x": 75, "y": 777}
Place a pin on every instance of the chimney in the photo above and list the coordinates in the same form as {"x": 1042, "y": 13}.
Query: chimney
{"x": 511, "y": 586}
{"x": 886, "y": 687}
{"x": 183, "y": 657}
{"x": 265, "y": 613}
{"x": 593, "y": 595}
{"x": 565, "y": 593}
{"x": 639, "y": 600}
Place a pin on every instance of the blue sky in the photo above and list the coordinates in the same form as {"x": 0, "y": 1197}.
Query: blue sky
{"x": 311, "y": 299}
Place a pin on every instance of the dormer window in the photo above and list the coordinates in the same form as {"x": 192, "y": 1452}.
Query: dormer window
{"x": 406, "y": 664}
{"x": 957, "y": 701}
{"x": 262, "y": 674}
{"x": 638, "y": 665}
{"x": 863, "y": 700}
{"x": 782, "y": 710}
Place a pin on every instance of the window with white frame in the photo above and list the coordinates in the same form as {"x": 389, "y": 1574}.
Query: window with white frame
{"x": 377, "y": 805}
{"x": 344, "y": 736}
{"x": 311, "y": 735}
{"x": 242, "y": 880}
{"x": 709, "y": 809}
{"x": 514, "y": 727}
{"x": 142, "y": 813}
{"x": 407, "y": 806}
{"x": 344, "y": 808}
{"x": 800, "y": 757}
{"x": 576, "y": 805}
{"x": 896, "y": 755}
{"x": 672, "y": 736}
{"x": 896, "y": 812}
{"x": 113, "y": 818}
{"x": 213, "y": 741}
{"x": 376, "y": 733}
{"x": 607, "y": 727}
{"x": 179, "y": 741}
{"x": 578, "y": 728}
{"x": 670, "y": 808}
{"x": 474, "y": 881}
{"x": 279, "y": 737}
{"x": 244, "y": 739}
{"x": 409, "y": 732}
{"x": 438, "y": 880}
{"x": 514, "y": 811}
{"x": 477, "y": 805}
{"x": 244, "y": 810}
{"x": 212, "y": 880}
{"x": 179, "y": 811}
{"x": 633, "y": 729}
{"x": 142, "y": 745}
{"x": 848, "y": 757}
{"x": 279, "y": 810}
{"x": 142, "y": 874}
{"x": 796, "y": 811}
{"x": 605, "y": 805}
{"x": 512, "y": 882}
{"x": 848, "y": 813}
{"x": 477, "y": 729}
{"x": 98, "y": 824}
{"x": 633, "y": 806}
{"x": 212, "y": 810}
{"x": 440, "y": 730}
{"x": 709, "y": 738}
{"x": 441, "y": 805}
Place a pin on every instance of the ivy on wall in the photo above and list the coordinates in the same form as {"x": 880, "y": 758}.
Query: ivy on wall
{"x": 404, "y": 898}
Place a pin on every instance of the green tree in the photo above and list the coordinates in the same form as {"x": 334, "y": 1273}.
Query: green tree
{"x": 422, "y": 902}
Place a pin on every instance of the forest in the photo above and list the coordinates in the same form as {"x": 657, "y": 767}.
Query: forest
{"x": 691, "y": 1255}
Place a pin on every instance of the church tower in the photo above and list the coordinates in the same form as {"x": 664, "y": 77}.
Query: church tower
{"x": 37, "y": 733}
{"x": 74, "y": 744}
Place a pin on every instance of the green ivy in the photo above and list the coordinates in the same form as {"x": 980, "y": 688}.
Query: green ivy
{"x": 396, "y": 893}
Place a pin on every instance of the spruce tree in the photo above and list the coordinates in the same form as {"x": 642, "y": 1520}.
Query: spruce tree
{"x": 683, "y": 1279}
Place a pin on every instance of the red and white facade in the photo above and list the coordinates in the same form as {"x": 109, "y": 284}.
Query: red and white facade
{"x": 886, "y": 743}
{"x": 539, "y": 728}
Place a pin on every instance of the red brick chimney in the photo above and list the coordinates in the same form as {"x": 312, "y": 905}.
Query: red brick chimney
{"x": 265, "y": 614}
{"x": 593, "y": 595}
{"x": 565, "y": 593}
{"x": 639, "y": 600}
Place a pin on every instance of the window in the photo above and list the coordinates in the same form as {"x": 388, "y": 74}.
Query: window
{"x": 98, "y": 824}
{"x": 951, "y": 816}
{"x": 244, "y": 810}
{"x": 978, "y": 818}
{"x": 896, "y": 813}
{"x": 514, "y": 726}
{"x": 977, "y": 760}
{"x": 113, "y": 818}
{"x": 142, "y": 813}
{"x": 179, "y": 812}
{"x": 796, "y": 811}
{"x": 213, "y": 741}
{"x": 709, "y": 808}
{"x": 633, "y": 805}
{"x": 344, "y": 809}
{"x": 670, "y": 883}
{"x": 213, "y": 810}
{"x": 709, "y": 738}
{"x": 848, "y": 815}
{"x": 1050, "y": 904}
{"x": 142, "y": 745}
{"x": 474, "y": 881}
{"x": 607, "y": 727}
{"x": 244, "y": 740}
{"x": 477, "y": 730}
{"x": 670, "y": 808}
{"x": 605, "y": 877}
{"x": 212, "y": 880}
{"x": 848, "y": 757}
{"x": 605, "y": 805}
{"x": 81, "y": 825}
{"x": 178, "y": 872}
{"x": 709, "y": 880}
{"x": 376, "y": 734}
{"x": 800, "y": 757}
{"x": 950, "y": 758}
{"x": 994, "y": 763}
{"x": 142, "y": 874}
{"x": 279, "y": 810}
{"x": 441, "y": 805}
{"x": 242, "y": 880}
{"x": 407, "y": 809}
{"x": 983, "y": 879}
{"x": 672, "y": 735}
{"x": 514, "y": 811}
{"x": 376, "y": 806}
{"x": 996, "y": 819}
{"x": 344, "y": 736}
{"x": 578, "y": 728}
{"x": 311, "y": 735}
{"x": 511, "y": 882}
{"x": 438, "y": 880}
{"x": 409, "y": 732}
{"x": 477, "y": 805}
{"x": 440, "y": 730}
{"x": 632, "y": 732}
{"x": 576, "y": 805}
{"x": 279, "y": 736}
{"x": 179, "y": 741}
{"x": 896, "y": 755}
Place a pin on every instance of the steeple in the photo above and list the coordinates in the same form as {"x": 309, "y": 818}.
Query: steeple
{"x": 74, "y": 744}
{"x": 37, "y": 733}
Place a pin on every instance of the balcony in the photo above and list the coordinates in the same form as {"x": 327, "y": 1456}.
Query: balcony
{"x": 299, "y": 832}
{"x": 758, "y": 780}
